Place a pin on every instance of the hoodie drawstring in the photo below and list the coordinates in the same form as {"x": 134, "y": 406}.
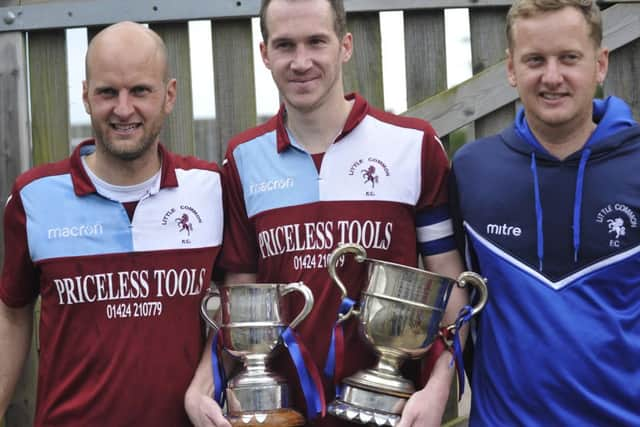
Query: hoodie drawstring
{"x": 577, "y": 203}
{"x": 536, "y": 191}
{"x": 577, "y": 207}
{"x": 612, "y": 115}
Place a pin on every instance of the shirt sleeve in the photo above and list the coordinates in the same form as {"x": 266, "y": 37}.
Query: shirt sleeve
{"x": 434, "y": 227}
{"x": 239, "y": 249}
{"x": 20, "y": 281}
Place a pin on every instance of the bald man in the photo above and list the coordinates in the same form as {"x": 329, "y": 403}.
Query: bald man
{"x": 119, "y": 241}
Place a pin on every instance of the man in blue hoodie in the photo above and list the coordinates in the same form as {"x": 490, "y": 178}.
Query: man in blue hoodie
{"x": 549, "y": 209}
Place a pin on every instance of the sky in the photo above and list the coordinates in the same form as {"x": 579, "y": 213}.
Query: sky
{"x": 392, "y": 35}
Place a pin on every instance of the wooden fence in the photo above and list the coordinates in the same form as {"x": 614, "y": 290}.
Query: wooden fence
{"x": 34, "y": 113}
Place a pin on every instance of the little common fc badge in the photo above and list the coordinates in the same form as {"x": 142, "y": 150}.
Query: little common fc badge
{"x": 619, "y": 220}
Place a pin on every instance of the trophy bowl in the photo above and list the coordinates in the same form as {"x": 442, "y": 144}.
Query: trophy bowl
{"x": 400, "y": 314}
{"x": 253, "y": 320}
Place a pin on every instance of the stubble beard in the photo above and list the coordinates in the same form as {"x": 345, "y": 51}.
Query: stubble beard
{"x": 129, "y": 150}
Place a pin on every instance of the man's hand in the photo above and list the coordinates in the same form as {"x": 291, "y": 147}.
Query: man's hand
{"x": 423, "y": 409}
{"x": 203, "y": 411}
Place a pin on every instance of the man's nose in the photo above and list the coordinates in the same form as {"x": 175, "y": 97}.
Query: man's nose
{"x": 124, "y": 106}
{"x": 301, "y": 60}
{"x": 552, "y": 72}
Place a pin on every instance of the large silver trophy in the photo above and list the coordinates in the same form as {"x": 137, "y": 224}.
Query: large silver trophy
{"x": 253, "y": 319}
{"x": 399, "y": 314}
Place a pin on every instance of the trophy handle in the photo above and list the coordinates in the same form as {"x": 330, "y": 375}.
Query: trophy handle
{"x": 308, "y": 300}
{"x": 203, "y": 307}
{"x": 475, "y": 280}
{"x": 360, "y": 256}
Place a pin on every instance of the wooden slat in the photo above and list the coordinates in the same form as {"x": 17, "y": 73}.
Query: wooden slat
{"x": 14, "y": 142}
{"x": 14, "y": 147}
{"x": 234, "y": 80}
{"x": 49, "y": 96}
{"x": 466, "y": 102}
{"x": 624, "y": 75}
{"x": 363, "y": 74}
{"x": 177, "y": 133}
{"x": 14, "y": 132}
{"x": 425, "y": 54}
{"x": 76, "y": 13}
{"x": 205, "y": 132}
{"x": 488, "y": 45}
{"x": 623, "y": 24}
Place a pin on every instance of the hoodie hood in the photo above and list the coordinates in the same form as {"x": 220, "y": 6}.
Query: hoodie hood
{"x": 612, "y": 116}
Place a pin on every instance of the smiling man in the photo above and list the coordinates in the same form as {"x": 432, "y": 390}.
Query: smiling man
{"x": 330, "y": 169}
{"x": 119, "y": 240}
{"x": 555, "y": 341}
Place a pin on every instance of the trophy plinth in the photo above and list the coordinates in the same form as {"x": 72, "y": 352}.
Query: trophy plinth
{"x": 399, "y": 316}
{"x": 252, "y": 324}
{"x": 277, "y": 417}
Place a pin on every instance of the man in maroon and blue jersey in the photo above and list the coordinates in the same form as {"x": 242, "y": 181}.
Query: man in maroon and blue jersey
{"x": 331, "y": 169}
{"x": 119, "y": 241}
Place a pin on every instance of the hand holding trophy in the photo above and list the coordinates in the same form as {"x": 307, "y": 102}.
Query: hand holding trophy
{"x": 253, "y": 323}
{"x": 399, "y": 313}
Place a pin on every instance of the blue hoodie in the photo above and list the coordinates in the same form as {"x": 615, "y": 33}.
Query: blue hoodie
{"x": 559, "y": 242}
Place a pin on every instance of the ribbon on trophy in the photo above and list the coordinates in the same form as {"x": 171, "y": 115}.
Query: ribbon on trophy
{"x": 307, "y": 374}
{"x": 219, "y": 380}
{"x": 333, "y": 367}
{"x": 453, "y": 342}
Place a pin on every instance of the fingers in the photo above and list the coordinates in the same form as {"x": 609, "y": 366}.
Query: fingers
{"x": 207, "y": 413}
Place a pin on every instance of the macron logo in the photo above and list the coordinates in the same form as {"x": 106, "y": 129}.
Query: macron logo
{"x": 272, "y": 185}
{"x": 74, "y": 231}
{"x": 504, "y": 230}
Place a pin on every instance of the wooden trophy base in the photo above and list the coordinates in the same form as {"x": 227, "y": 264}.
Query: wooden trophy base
{"x": 284, "y": 417}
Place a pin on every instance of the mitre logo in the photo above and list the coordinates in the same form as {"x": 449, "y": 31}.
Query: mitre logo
{"x": 183, "y": 219}
{"x": 371, "y": 171}
{"x": 619, "y": 220}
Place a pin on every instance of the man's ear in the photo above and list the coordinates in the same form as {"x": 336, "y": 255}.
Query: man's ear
{"x": 264, "y": 55}
{"x": 511, "y": 74}
{"x": 172, "y": 93}
{"x": 85, "y": 96}
{"x": 346, "y": 45}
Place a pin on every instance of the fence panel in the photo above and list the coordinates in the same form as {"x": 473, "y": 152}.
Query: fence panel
{"x": 425, "y": 54}
{"x": 488, "y": 45}
{"x": 235, "y": 88}
{"x": 177, "y": 133}
{"x": 49, "y": 95}
{"x": 15, "y": 158}
{"x": 13, "y": 113}
{"x": 623, "y": 77}
{"x": 363, "y": 74}
{"x": 623, "y": 29}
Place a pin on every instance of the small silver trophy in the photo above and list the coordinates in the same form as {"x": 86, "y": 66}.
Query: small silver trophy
{"x": 399, "y": 315}
{"x": 253, "y": 319}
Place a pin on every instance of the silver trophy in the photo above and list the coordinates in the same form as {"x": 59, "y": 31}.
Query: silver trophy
{"x": 253, "y": 319}
{"x": 400, "y": 313}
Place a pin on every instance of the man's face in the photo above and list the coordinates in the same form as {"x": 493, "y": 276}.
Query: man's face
{"x": 304, "y": 53}
{"x": 556, "y": 67}
{"x": 127, "y": 99}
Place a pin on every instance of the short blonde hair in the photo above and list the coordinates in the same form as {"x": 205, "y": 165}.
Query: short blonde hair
{"x": 522, "y": 9}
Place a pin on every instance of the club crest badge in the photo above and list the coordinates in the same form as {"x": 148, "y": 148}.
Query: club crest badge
{"x": 619, "y": 220}
{"x": 183, "y": 220}
{"x": 371, "y": 171}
